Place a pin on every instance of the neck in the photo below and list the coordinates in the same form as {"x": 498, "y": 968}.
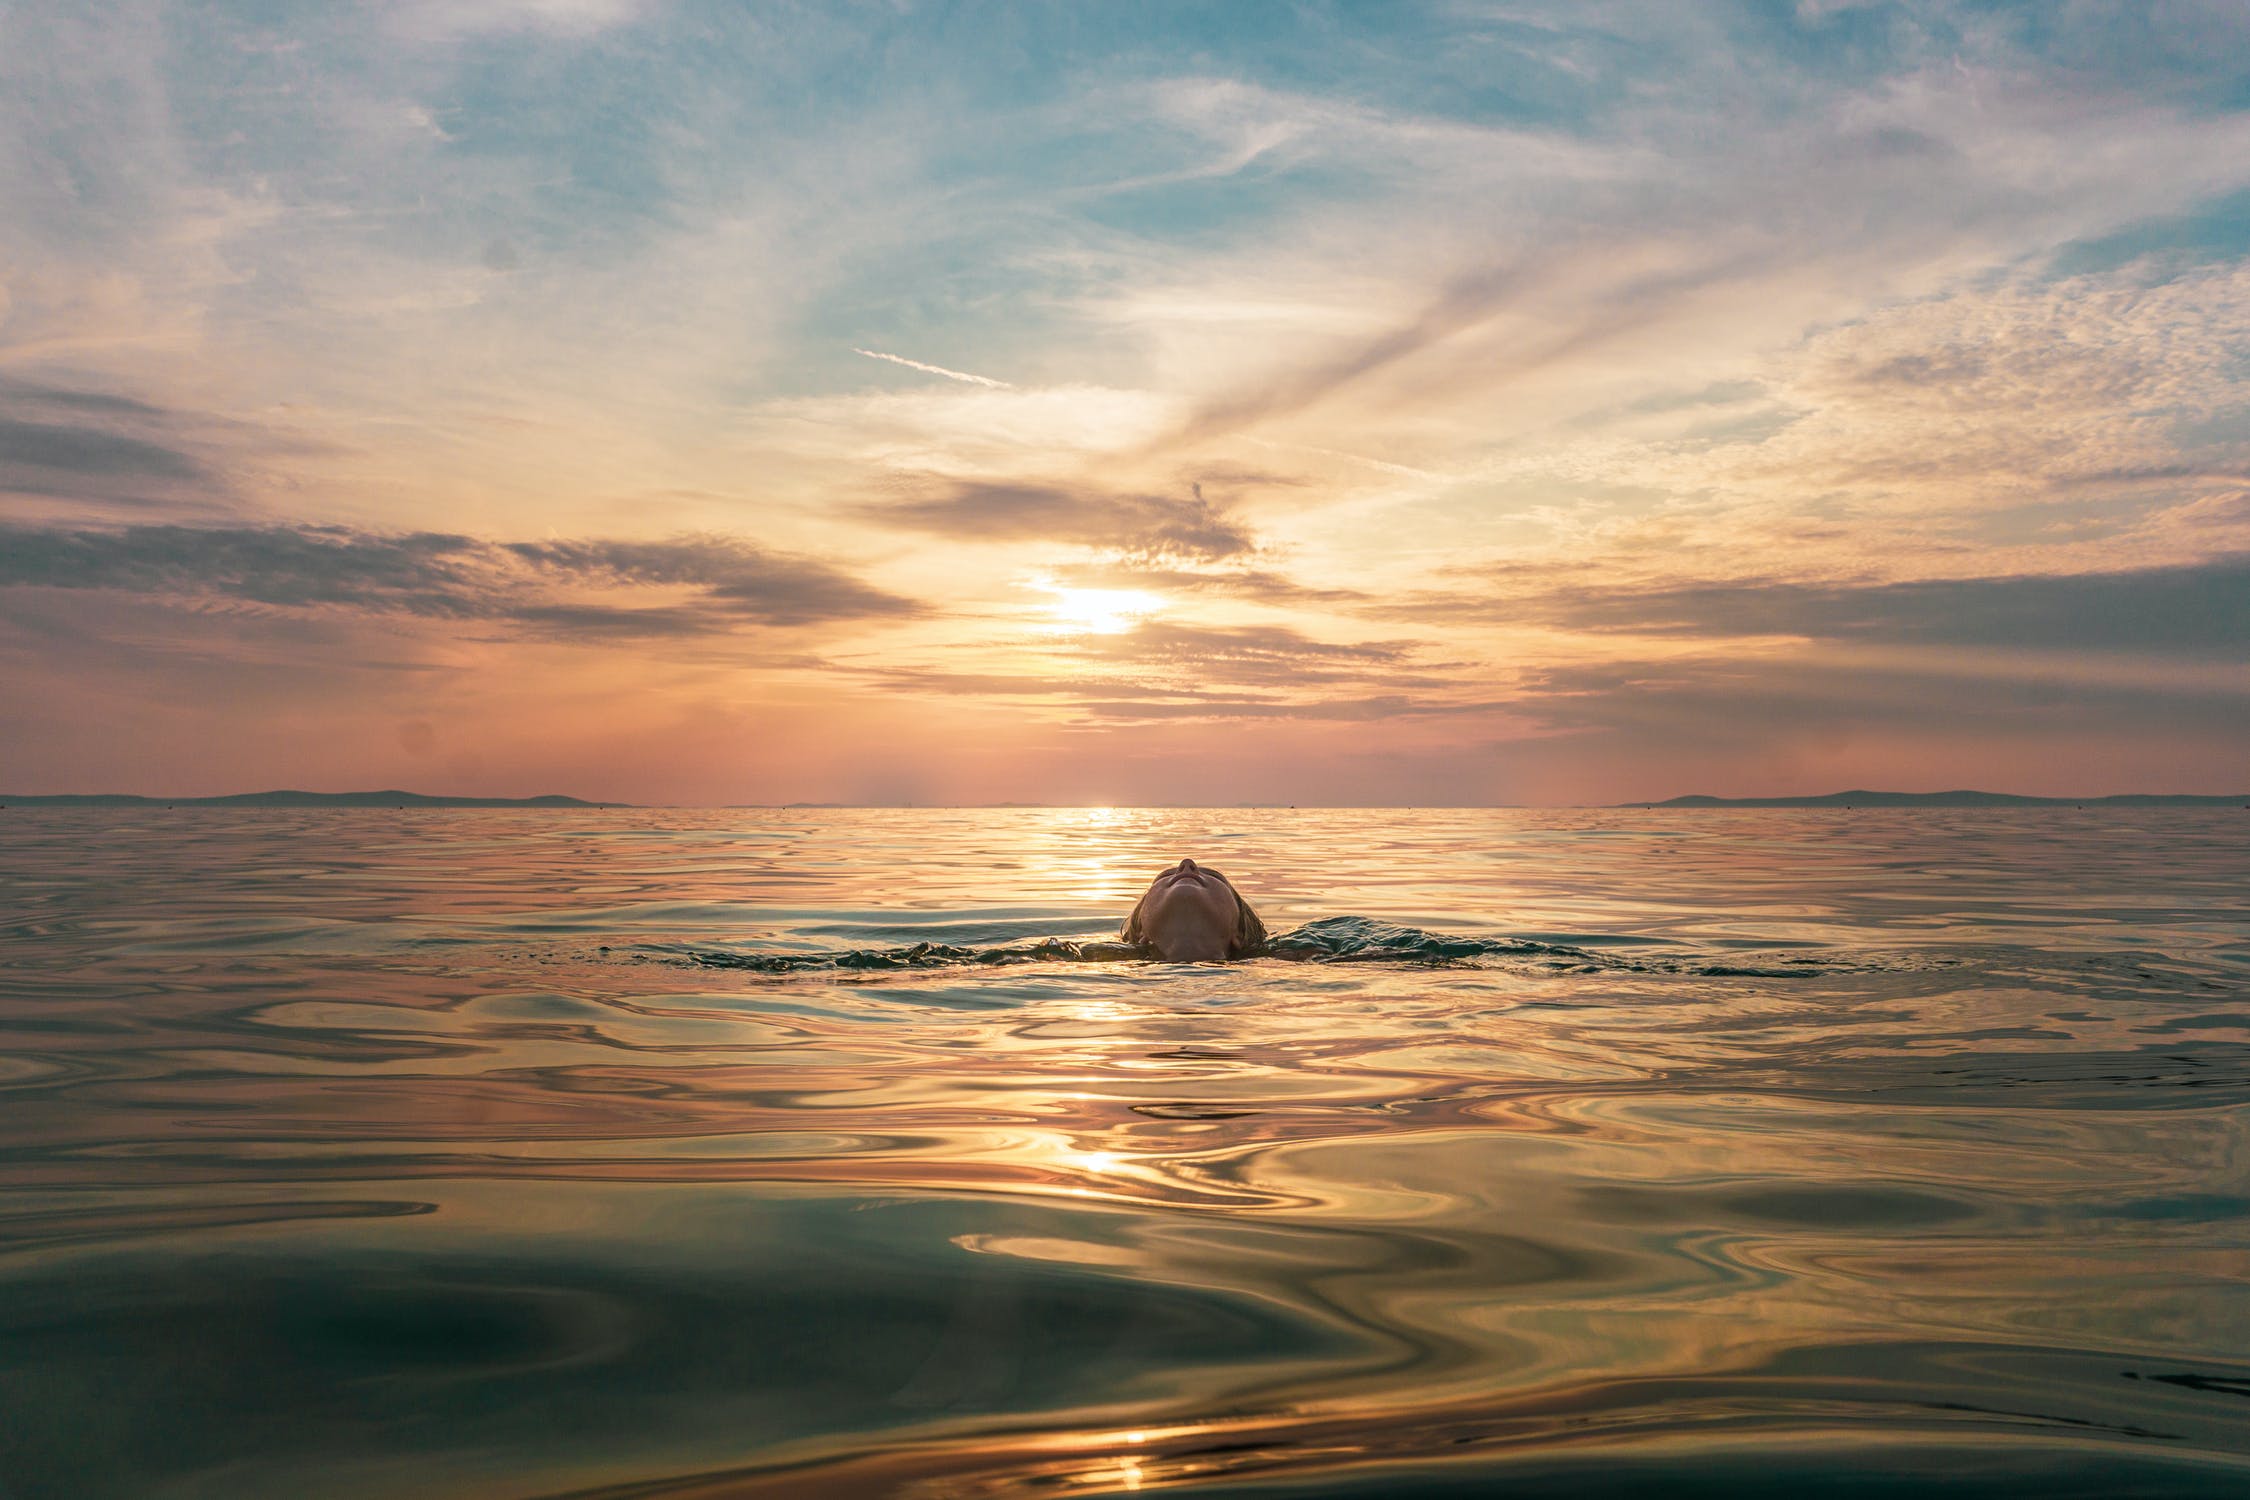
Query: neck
{"x": 1192, "y": 949}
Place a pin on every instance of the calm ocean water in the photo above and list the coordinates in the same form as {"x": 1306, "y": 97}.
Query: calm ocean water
{"x": 436, "y": 1154}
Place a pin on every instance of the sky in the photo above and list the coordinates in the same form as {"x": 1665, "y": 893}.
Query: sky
{"x": 1362, "y": 403}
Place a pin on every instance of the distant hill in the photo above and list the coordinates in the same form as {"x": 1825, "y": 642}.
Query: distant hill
{"x": 1952, "y": 799}
{"x": 298, "y": 799}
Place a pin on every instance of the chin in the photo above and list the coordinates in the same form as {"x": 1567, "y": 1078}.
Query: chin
{"x": 1240, "y": 935}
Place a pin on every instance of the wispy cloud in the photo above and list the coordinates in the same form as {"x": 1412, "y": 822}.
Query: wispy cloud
{"x": 2196, "y": 611}
{"x": 720, "y": 584}
{"x": 88, "y": 451}
{"x": 1179, "y": 526}
{"x": 440, "y": 20}
{"x": 1382, "y": 708}
{"x": 1159, "y": 670}
{"x": 1262, "y": 585}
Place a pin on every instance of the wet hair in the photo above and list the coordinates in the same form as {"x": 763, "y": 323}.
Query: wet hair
{"x": 1249, "y": 932}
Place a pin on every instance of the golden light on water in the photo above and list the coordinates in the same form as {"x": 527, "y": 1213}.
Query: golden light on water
{"x": 1094, "y": 1227}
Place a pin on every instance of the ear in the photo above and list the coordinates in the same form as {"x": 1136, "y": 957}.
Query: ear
{"x": 1133, "y": 932}
{"x": 1249, "y": 932}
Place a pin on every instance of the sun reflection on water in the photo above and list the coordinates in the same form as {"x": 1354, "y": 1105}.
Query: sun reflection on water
{"x": 464, "y": 1108}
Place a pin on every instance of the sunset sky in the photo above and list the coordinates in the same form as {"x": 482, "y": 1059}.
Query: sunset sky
{"x": 1350, "y": 403}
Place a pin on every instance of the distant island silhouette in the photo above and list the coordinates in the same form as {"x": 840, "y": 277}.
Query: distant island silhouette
{"x": 398, "y": 799}
{"x": 297, "y": 799}
{"x": 1952, "y": 799}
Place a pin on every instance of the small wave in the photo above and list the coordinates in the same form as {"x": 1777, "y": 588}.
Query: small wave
{"x": 1328, "y": 940}
{"x": 1365, "y": 940}
{"x": 923, "y": 956}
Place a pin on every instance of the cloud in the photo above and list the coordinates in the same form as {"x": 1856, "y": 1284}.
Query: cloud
{"x": 90, "y": 451}
{"x": 1758, "y": 703}
{"x": 1149, "y": 525}
{"x": 102, "y": 454}
{"x": 1259, "y": 584}
{"x": 2199, "y": 610}
{"x": 1157, "y": 700}
{"x": 1480, "y": 299}
{"x": 1167, "y": 671}
{"x": 1161, "y": 659}
{"x": 1922, "y": 168}
{"x": 94, "y": 445}
{"x": 598, "y": 622}
{"x": 106, "y": 402}
{"x": 1239, "y": 647}
{"x": 415, "y": 573}
{"x": 727, "y": 583}
{"x": 736, "y": 579}
{"x": 2031, "y": 382}
{"x": 1379, "y": 709}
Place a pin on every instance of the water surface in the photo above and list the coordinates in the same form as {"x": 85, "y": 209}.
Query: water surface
{"x": 653, "y": 1154}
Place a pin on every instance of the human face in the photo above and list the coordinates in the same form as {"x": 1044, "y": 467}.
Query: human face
{"x": 1189, "y": 915}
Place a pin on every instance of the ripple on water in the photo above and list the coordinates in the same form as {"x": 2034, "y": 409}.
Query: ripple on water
{"x": 745, "y": 1153}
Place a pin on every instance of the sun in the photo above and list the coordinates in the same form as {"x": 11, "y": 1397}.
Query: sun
{"x": 1097, "y": 611}
{"x": 1102, "y": 611}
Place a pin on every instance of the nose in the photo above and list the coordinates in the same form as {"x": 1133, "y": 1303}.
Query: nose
{"x": 1188, "y": 865}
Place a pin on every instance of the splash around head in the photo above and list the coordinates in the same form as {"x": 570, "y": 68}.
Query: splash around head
{"x": 1193, "y": 914}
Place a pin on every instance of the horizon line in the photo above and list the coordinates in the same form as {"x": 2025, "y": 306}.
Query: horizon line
{"x": 1687, "y": 801}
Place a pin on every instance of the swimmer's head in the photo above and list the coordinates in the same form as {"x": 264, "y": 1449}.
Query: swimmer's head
{"x": 1192, "y": 914}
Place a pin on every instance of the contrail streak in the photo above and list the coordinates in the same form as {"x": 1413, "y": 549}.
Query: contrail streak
{"x": 1358, "y": 458}
{"x": 915, "y": 364}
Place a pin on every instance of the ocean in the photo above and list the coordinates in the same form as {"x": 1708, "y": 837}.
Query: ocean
{"x": 664, "y": 1153}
